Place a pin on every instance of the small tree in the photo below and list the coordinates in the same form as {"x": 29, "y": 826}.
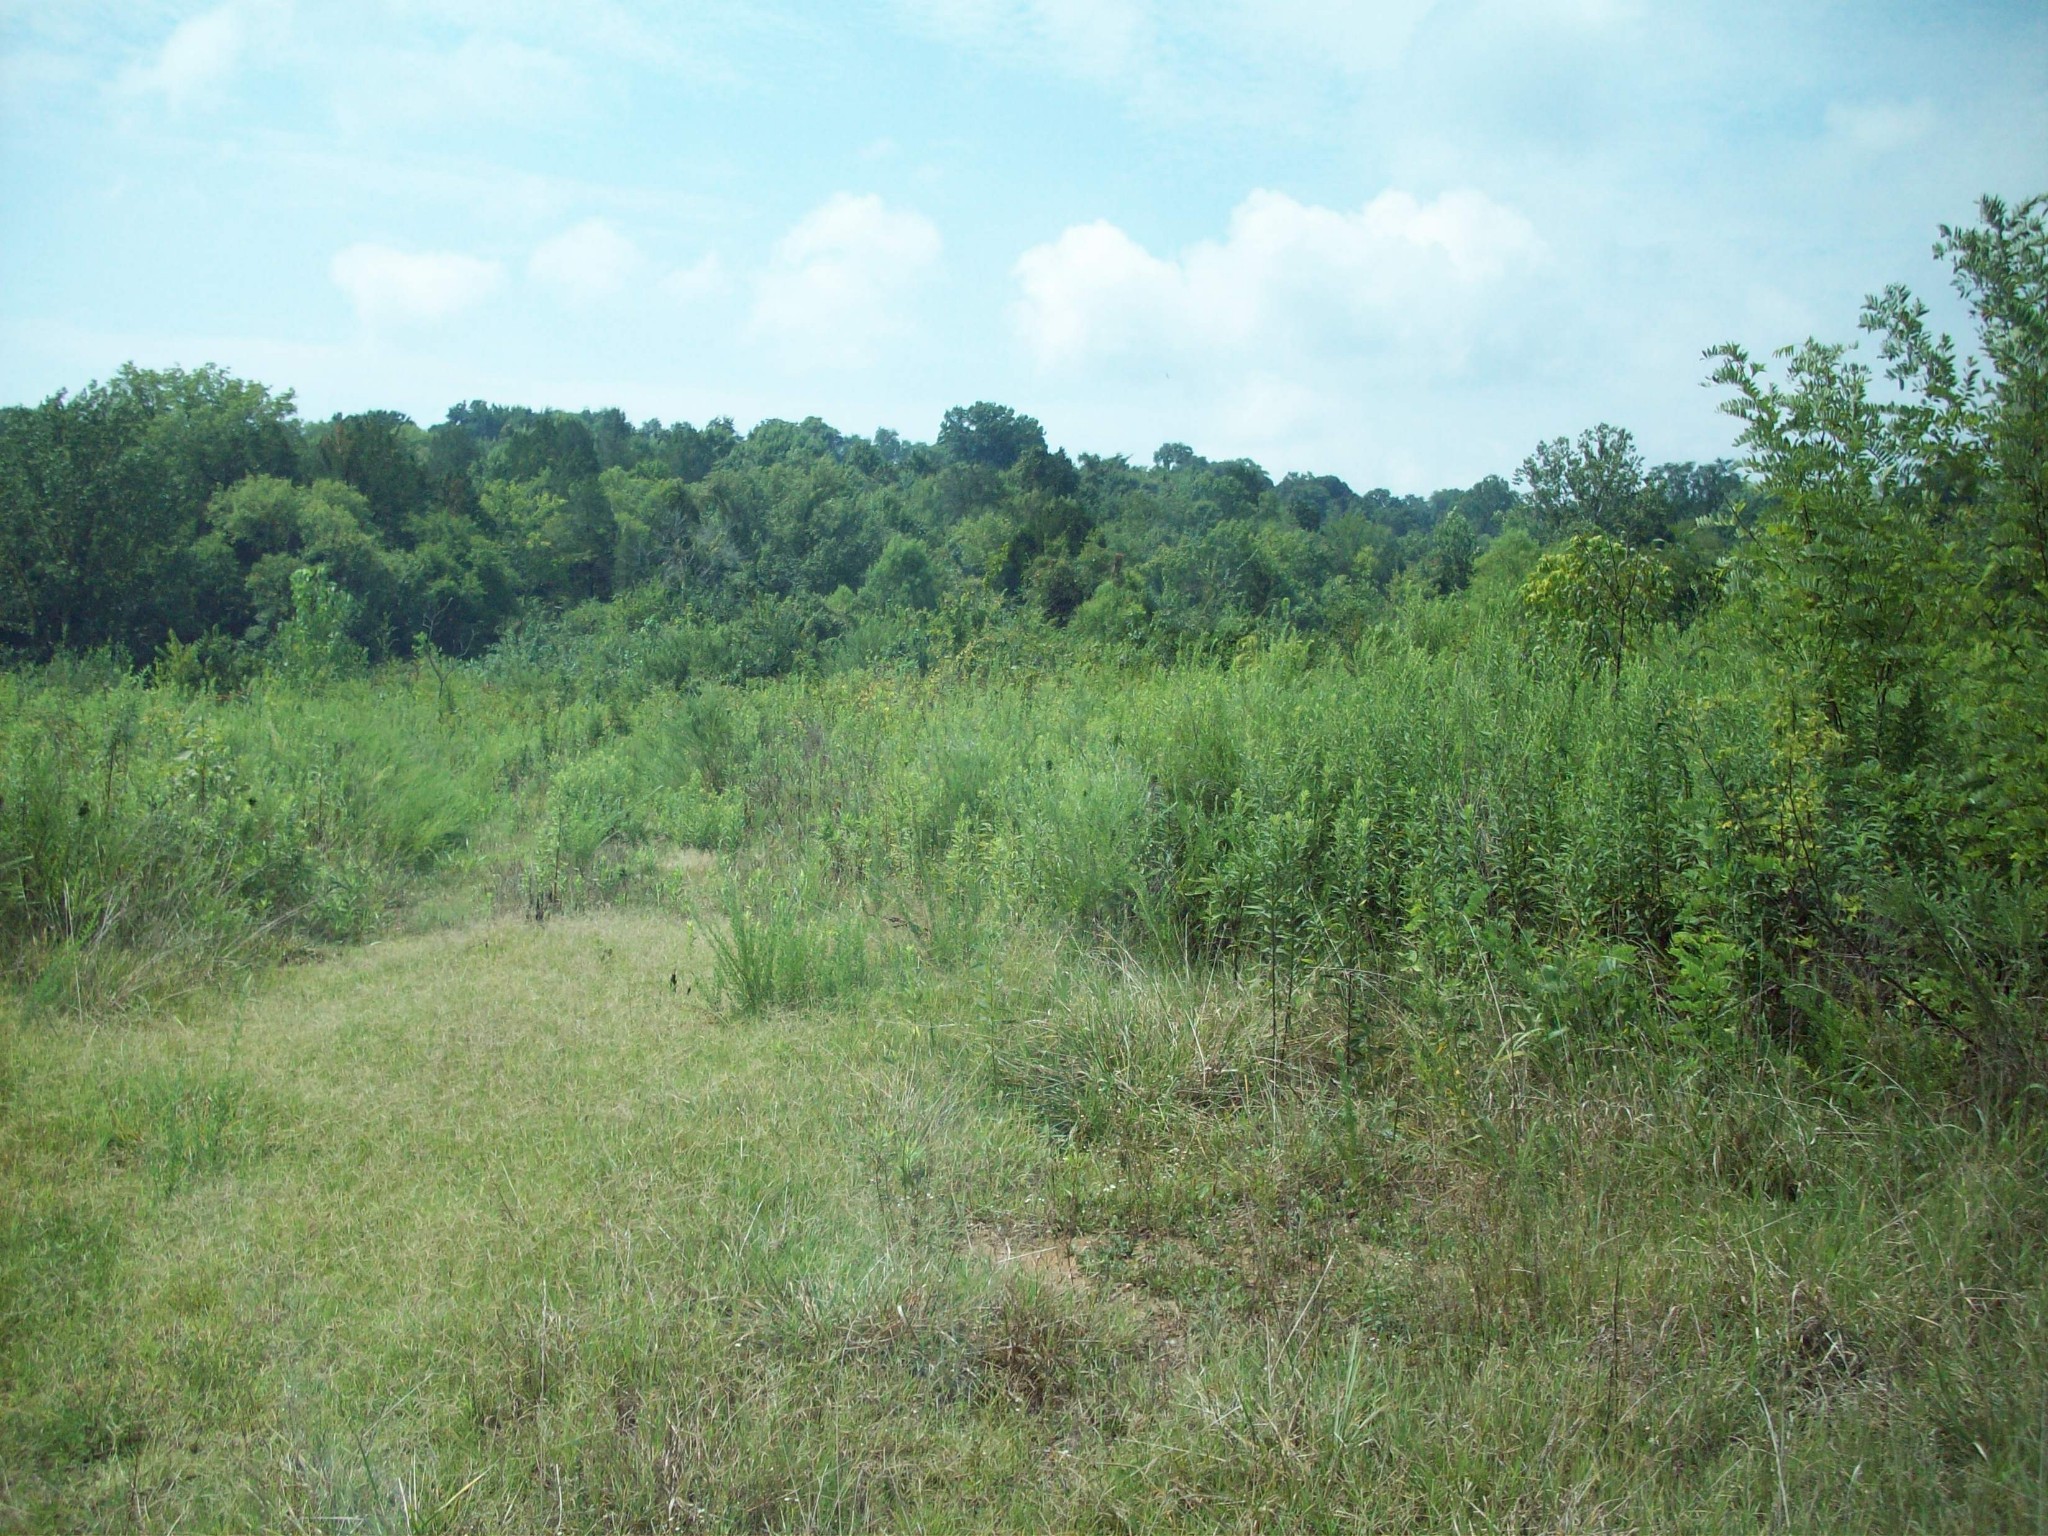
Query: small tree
{"x": 313, "y": 645}
{"x": 1900, "y": 572}
{"x": 1453, "y": 547}
{"x": 1847, "y": 578}
{"x": 1598, "y": 596}
{"x": 1896, "y": 581}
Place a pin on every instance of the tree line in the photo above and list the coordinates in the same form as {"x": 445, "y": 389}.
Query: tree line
{"x": 174, "y": 507}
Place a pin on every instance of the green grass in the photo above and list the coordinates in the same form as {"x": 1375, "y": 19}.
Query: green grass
{"x": 492, "y": 1228}
{"x": 1407, "y": 1090}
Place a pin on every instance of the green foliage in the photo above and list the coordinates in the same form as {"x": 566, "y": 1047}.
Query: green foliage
{"x": 988, "y": 434}
{"x": 1845, "y": 574}
{"x": 1115, "y": 616}
{"x": 776, "y": 951}
{"x": 2002, "y": 270}
{"x": 903, "y": 576}
{"x": 102, "y": 495}
{"x": 183, "y": 503}
{"x": 1597, "y": 597}
{"x": 1596, "y": 483}
{"x": 313, "y": 645}
{"x": 1892, "y": 584}
{"x": 1453, "y": 548}
{"x": 154, "y": 838}
{"x": 1285, "y": 724}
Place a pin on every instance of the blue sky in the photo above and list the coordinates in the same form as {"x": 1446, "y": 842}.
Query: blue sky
{"x": 1397, "y": 242}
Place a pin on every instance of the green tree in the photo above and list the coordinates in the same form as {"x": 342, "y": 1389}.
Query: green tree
{"x": 1115, "y": 615}
{"x": 1453, "y": 546}
{"x": 84, "y": 511}
{"x": 460, "y": 582}
{"x": 1597, "y": 596}
{"x": 382, "y": 455}
{"x": 274, "y": 527}
{"x": 653, "y": 515}
{"x": 1486, "y": 503}
{"x": 903, "y": 576}
{"x": 2001, "y": 269}
{"x": 528, "y": 520}
{"x": 101, "y": 497}
{"x": 313, "y": 645}
{"x": 1900, "y": 571}
{"x": 989, "y": 434}
{"x": 1847, "y": 579}
{"x": 1596, "y": 482}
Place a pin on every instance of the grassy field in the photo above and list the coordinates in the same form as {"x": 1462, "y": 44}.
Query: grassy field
{"x": 506, "y": 1225}
{"x": 1376, "y": 1019}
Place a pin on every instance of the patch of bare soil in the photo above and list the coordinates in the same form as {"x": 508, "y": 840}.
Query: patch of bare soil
{"x": 1061, "y": 1262}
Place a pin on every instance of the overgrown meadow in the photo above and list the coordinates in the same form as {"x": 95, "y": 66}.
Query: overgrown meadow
{"x": 1550, "y": 1039}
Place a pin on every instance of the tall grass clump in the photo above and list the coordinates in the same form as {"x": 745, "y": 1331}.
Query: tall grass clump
{"x": 153, "y": 837}
{"x": 772, "y": 947}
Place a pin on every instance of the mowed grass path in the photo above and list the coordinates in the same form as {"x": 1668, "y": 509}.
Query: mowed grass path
{"x": 498, "y": 1228}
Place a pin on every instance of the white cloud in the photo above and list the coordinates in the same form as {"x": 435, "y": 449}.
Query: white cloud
{"x": 1289, "y": 281}
{"x": 1880, "y": 127}
{"x": 703, "y": 279}
{"x": 589, "y": 263}
{"x": 593, "y": 262}
{"x": 483, "y": 77}
{"x": 1265, "y": 65}
{"x": 835, "y": 288}
{"x": 1342, "y": 33}
{"x": 195, "y": 61}
{"x": 394, "y": 287}
{"x": 680, "y": 40}
{"x": 1099, "y": 38}
{"x": 1094, "y": 291}
{"x": 1110, "y": 41}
